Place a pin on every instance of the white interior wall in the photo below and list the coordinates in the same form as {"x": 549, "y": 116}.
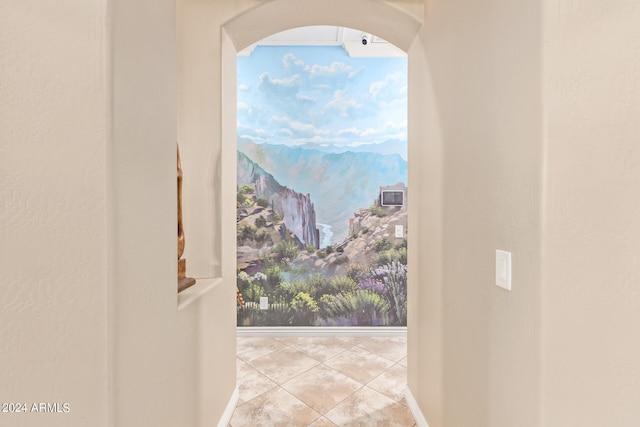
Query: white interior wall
{"x": 591, "y": 299}
{"x": 476, "y": 354}
{"x": 425, "y": 292}
{"x": 54, "y": 128}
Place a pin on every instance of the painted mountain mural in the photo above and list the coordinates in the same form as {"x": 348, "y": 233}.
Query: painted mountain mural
{"x": 338, "y": 183}
{"x": 322, "y": 163}
{"x": 390, "y": 146}
{"x": 297, "y": 210}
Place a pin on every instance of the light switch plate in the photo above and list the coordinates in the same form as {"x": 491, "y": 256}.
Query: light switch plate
{"x": 503, "y": 269}
{"x": 399, "y": 231}
{"x": 264, "y": 303}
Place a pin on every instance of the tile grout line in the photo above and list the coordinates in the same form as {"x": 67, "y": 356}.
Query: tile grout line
{"x": 348, "y": 345}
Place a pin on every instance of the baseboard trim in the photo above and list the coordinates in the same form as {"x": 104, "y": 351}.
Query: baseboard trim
{"x": 421, "y": 421}
{"x": 321, "y": 331}
{"x": 228, "y": 411}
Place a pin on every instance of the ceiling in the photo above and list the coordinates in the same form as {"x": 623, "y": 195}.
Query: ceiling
{"x": 323, "y": 35}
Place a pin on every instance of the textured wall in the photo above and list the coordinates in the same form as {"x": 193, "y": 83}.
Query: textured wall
{"x": 424, "y": 300}
{"x": 591, "y": 305}
{"x": 53, "y": 240}
{"x": 478, "y": 345}
{"x": 143, "y": 179}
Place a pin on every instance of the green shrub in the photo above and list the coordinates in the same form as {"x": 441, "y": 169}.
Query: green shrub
{"x": 401, "y": 244}
{"x": 263, "y": 237}
{"x": 246, "y": 231}
{"x": 357, "y": 272}
{"x": 274, "y": 278}
{"x": 311, "y": 249}
{"x": 304, "y": 302}
{"x": 277, "y": 217}
{"x": 340, "y": 284}
{"x": 305, "y": 309}
{"x": 260, "y": 221}
{"x": 246, "y": 189}
{"x": 317, "y": 284}
{"x": 378, "y": 211}
{"x": 329, "y": 249}
{"x": 262, "y": 202}
{"x": 285, "y": 250}
{"x": 361, "y": 307}
{"x": 266, "y": 261}
{"x": 342, "y": 259}
{"x": 253, "y": 292}
{"x": 402, "y": 258}
{"x": 382, "y": 245}
{"x": 243, "y": 280}
{"x": 390, "y": 256}
{"x": 288, "y": 291}
{"x": 278, "y": 314}
{"x": 394, "y": 277}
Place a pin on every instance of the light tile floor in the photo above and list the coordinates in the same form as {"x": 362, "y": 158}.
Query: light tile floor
{"x": 322, "y": 381}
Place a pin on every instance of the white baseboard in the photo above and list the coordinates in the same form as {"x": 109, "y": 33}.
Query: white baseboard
{"x": 421, "y": 421}
{"x": 228, "y": 411}
{"x": 321, "y": 331}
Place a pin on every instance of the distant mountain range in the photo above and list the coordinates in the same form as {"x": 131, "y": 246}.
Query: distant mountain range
{"x": 339, "y": 182}
{"x": 391, "y": 146}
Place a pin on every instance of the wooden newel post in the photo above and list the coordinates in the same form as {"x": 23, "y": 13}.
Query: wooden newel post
{"x": 183, "y": 281}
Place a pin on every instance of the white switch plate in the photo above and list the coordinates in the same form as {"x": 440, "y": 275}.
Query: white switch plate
{"x": 503, "y": 269}
{"x": 264, "y": 303}
{"x": 399, "y": 231}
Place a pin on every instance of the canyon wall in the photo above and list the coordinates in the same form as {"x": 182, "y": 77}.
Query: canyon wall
{"x": 297, "y": 210}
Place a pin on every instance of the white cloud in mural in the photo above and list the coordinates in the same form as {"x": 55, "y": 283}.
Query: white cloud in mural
{"x": 336, "y": 68}
{"x": 290, "y": 60}
{"x": 297, "y": 129}
{"x": 281, "y": 86}
{"x": 305, "y": 98}
{"x": 342, "y": 104}
{"x": 297, "y": 95}
{"x": 352, "y": 131}
{"x": 370, "y": 132}
{"x": 391, "y": 90}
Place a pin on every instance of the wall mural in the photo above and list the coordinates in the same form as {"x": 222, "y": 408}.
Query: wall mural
{"x": 322, "y": 196}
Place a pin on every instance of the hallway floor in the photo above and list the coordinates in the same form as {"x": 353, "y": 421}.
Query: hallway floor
{"x": 322, "y": 381}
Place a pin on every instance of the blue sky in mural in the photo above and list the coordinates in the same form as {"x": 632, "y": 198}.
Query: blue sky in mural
{"x": 297, "y": 95}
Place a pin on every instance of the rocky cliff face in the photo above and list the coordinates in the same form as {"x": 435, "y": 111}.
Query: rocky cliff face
{"x": 297, "y": 210}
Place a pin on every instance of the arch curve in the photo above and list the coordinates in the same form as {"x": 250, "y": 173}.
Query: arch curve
{"x": 373, "y": 16}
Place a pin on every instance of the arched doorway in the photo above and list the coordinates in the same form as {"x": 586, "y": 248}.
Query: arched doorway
{"x": 372, "y": 16}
